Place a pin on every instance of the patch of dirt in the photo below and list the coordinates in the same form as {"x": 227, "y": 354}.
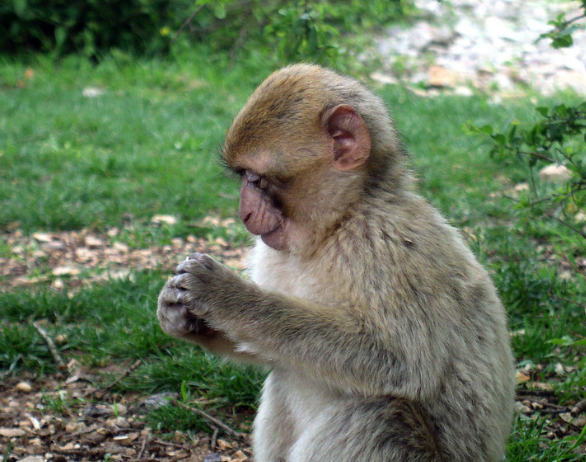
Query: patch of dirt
{"x": 75, "y": 258}
{"x": 65, "y": 418}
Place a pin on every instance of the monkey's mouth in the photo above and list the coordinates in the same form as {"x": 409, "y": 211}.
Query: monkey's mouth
{"x": 275, "y": 238}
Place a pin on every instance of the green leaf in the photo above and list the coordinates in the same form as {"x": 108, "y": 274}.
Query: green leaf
{"x": 60, "y": 36}
{"x": 20, "y": 7}
{"x": 219, "y": 11}
{"x": 543, "y": 111}
{"x": 499, "y": 139}
{"x": 562, "y": 41}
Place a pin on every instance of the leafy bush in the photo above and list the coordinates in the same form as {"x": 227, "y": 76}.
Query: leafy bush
{"x": 298, "y": 30}
{"x": 89, "y": 26}
{"x": 558, "y": 137}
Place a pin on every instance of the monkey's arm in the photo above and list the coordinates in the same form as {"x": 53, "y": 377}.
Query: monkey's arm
{"x": 350, "y": 348}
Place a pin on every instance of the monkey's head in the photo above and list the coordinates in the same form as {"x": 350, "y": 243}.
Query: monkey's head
{"x": 307, "y": 145}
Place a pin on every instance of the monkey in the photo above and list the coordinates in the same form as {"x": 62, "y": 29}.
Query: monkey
{"x": 384, "y": 336}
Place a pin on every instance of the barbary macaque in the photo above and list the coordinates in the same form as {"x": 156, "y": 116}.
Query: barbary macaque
{"x": 385, "y": 337}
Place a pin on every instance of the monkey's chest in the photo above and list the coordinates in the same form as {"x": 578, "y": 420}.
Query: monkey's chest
{"x": 295, "y": 280}
{"x": 308, "y": 404}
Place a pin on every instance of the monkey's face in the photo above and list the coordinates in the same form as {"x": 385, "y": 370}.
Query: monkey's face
{"x": 302, "y": 161}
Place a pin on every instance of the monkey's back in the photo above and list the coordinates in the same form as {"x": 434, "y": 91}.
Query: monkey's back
{"x": 398, "y": 261}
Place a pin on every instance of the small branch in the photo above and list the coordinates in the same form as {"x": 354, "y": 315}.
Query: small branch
{"x": 186, "y": 23}
{"x": 105, "y": 390}
{"x": 237, "y": 45}
{"x": 567, "y": 225}
{"x": 547, "y": 214}
{"x": 210, "y": 418}
{"x": 169, "y": 444}
{"x": 577, "y": 18}
{"x": 214, "y": 439}
{"x": 51, "y": 345}
{"x": 578, "y": 408}
{"x": 536, "y": 155}
{"x": 142, "y": 448}
{"x": 536, "y": 393}
{"x": 567, "y": 300}
{"x": 553, "y": 411}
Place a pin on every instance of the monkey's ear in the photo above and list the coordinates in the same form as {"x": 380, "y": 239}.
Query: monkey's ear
{"x": 351, "y": 146}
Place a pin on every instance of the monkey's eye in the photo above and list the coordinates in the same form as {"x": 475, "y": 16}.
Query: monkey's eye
{"x": 256, "y": 180}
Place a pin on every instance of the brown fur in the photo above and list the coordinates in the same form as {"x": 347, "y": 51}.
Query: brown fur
{"x": 386, "y": 338}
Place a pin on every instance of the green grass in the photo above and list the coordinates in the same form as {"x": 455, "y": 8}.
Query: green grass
{"x": 148, "y": 146}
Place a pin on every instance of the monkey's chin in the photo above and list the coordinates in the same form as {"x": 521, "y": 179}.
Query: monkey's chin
{"x": 275, "y": 239}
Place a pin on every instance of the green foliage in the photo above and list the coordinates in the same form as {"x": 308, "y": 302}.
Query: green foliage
{"x": 87, "y": 27}
{"x": 557, "y": 137}
{"x": 561, "y": 34}
{"x": 306, "y": 30}
{"x": 302, "y": 30}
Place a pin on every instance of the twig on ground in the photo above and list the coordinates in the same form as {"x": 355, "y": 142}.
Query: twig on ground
{"x": 214, "y": 439}
{"x": 104, "y": 391}
{"x": 552, "y": 411}
{"x": 210, "y": 418}
{"x": 169, "y": 444}
{"x": 51, "y": 345}
{"x": 536, "y": 393}
{"x": 89, "y": 429}
{"x": 567, "y": 300}
{"x": 578, "y": 408}
{"x": 142, "y": 448}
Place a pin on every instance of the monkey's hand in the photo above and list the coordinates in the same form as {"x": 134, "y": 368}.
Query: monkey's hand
{"x": 182, "y": 302}
{"x": 189, "y": 297}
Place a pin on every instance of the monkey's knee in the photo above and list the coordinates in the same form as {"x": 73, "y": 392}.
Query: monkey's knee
{"x": 376, "y": 430}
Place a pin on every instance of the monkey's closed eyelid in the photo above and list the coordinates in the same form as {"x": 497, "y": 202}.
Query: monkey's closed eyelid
{"x": 251, "y": 176}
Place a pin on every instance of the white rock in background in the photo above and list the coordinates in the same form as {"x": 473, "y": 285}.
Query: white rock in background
{"x": 92, "y": 92}
{"x": 92, "y": 241}
{"x": 467, "y": 35}
{"x": 24, "y": 387}
{"x": 167, "y": 219}
{"x": 554, "y": 172}
{"x": 385, "y": 79}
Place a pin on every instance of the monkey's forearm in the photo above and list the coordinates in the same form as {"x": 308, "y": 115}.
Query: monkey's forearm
{"x": 333, "y": 344}
{"x": 350, "y": 347}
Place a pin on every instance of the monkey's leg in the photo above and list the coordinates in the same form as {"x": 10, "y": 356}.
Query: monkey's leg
{"x": 370, "y": 430}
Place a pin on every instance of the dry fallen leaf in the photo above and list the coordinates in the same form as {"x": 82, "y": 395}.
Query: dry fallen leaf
{"x": 43, "y": 237}
{"x": 522, "y": 377}
{"x": 12, "y": 432}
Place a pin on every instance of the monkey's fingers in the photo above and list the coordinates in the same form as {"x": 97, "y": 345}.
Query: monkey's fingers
{"x": 184, "y": 290}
